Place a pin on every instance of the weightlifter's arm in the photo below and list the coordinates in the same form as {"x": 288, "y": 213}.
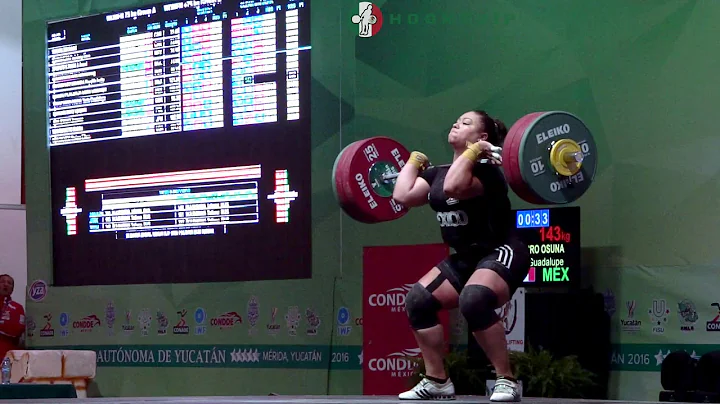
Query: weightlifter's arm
{"x": 460, "y": 183}
{"x": 410, "y": 189}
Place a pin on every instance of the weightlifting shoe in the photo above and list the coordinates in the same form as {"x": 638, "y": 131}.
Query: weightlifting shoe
{"x": 505, "y": 390}
{"x": 430, "y": 390}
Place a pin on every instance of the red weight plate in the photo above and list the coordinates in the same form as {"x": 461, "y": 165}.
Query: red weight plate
{"x": 343, "y": 180}
{"x": 340, "y": 162}
{"x": 523, "y": 136}
{"x": 372, "y": 199}
{"x": 352, "y": 206}
{"x": 343, "y": 184}
{"x": 375, "y": 196}
{"x": 335, "y": 185}
{"x": 511, "y": 158}
{"x": 340, "y": 169}
{"x": 516, "y": 181}
{"x": 510, "y": 151}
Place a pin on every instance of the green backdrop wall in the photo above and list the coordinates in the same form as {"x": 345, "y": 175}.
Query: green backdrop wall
{"x": 642, "y": 75}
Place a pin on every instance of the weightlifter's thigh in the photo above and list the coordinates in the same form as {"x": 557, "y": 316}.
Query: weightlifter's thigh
{"x": 440, "y": 288}
{"x": 444, "y": 283}
{"x": 503, "y": 270}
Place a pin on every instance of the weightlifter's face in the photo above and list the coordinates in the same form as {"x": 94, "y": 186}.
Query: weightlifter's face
{"x": 467, "y": 128}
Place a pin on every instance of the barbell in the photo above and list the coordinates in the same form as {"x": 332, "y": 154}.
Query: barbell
{"x": 547, "y": 158}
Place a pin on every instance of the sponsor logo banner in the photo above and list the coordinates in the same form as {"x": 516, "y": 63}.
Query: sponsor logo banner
{"x": 346, "y": 357}
{"x": 388, "y": 274}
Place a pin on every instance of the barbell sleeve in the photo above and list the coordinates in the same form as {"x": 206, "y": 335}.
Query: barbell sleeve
{"x": 390, "y": 176}
{"x": 573, "y": 157}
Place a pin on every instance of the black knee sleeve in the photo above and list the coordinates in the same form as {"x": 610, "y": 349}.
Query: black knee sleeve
{"x": 421, "y": 308}
{"x": 477, "y": 304}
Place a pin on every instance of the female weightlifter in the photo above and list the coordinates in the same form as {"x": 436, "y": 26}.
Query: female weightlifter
{"x": 471, "y": 202}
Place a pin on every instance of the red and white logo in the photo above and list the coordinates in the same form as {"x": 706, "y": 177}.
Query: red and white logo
{"x": 393, "y": 299}
{"x": 226, "y": 320}
{"x": 530, "y": 276}
{"x": 396, "y": 364}
{"x": 369, "y": 19}
{"x": 87, "y": 323}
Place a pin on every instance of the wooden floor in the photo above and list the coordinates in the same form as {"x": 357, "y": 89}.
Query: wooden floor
{"x": 294, "y": 400}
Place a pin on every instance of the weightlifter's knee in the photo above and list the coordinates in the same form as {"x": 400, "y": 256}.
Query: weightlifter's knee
{"x": 422, "y": 308}
{"x": 477, "y": 304}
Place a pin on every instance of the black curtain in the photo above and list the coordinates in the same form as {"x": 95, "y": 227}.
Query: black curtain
{"x": 573, "y": 323}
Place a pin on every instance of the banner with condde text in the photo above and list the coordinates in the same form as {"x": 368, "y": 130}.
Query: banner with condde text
{"x": 388, "y": 274}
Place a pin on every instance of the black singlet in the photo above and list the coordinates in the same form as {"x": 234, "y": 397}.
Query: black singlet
{"x": 484, "y": 221}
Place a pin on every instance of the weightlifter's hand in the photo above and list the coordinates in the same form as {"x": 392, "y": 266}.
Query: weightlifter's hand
{"x": 483, "y": 150}
{"x": 405, "y": 191}
{"x": 419, "y": 160}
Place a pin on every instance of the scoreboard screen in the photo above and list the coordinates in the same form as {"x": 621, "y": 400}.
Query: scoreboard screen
{"x": 553, "y": 237}
{"x": 180, "y": 143}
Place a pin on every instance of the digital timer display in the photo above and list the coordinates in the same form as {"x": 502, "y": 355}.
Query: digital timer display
{"x": 553, "y": 238}
{"x": 532, "y": 218}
